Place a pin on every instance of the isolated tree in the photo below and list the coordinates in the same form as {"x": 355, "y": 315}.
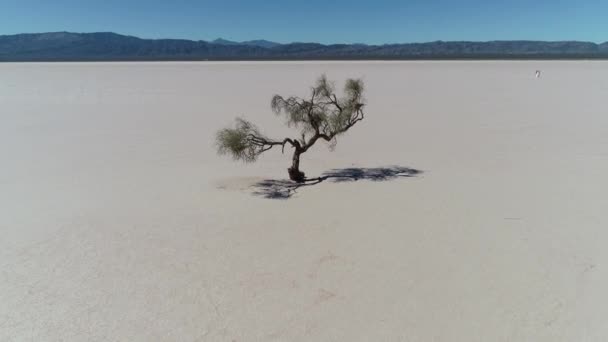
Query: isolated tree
{"x": 322, "y": 116}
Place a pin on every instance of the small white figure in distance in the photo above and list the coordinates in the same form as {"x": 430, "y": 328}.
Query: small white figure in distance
{"x": 537, "y": 73}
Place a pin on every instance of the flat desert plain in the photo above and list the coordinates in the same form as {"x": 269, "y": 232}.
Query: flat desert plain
{"x": 120, "y": 223}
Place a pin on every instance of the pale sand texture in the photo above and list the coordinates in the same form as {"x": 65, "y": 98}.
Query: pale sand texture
{"x": 120, "y": 223}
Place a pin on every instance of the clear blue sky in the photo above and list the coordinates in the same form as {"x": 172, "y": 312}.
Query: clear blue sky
{"x": 325, "y": 21}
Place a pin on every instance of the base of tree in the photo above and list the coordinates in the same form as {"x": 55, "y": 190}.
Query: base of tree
{"x": 296, "y": 175}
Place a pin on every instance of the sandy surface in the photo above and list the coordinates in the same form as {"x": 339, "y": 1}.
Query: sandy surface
{"x": 119, "y": 222}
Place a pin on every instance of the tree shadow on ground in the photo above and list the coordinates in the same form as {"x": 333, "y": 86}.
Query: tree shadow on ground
{"x": 285, "y": 189}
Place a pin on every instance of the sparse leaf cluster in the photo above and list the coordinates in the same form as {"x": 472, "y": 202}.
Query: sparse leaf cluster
{"x": 323, "y": 115}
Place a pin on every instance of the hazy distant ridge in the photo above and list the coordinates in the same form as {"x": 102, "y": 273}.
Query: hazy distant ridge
{"x": 112, "y": 46}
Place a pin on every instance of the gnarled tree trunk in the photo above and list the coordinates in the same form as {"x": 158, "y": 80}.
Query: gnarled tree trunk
{"x": 294, "y": 171}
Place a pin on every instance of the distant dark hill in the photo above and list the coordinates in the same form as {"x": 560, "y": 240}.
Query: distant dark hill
{"x": 111, "y": 46}
{"x": 260, "y": 43}
{"x": 106, "y": 46}
{"x": 223, "y": 41}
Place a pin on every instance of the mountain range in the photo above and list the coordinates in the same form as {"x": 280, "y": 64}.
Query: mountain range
{"x": 108, "y": 46}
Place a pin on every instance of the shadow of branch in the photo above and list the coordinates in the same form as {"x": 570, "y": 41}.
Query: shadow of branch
{"x": 285, "y": 189}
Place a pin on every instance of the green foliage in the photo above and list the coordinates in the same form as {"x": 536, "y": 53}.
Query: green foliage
{"x": 239, "y": 141}
{"x": 323, "y": 112}
{"x": 321, "y": 116}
